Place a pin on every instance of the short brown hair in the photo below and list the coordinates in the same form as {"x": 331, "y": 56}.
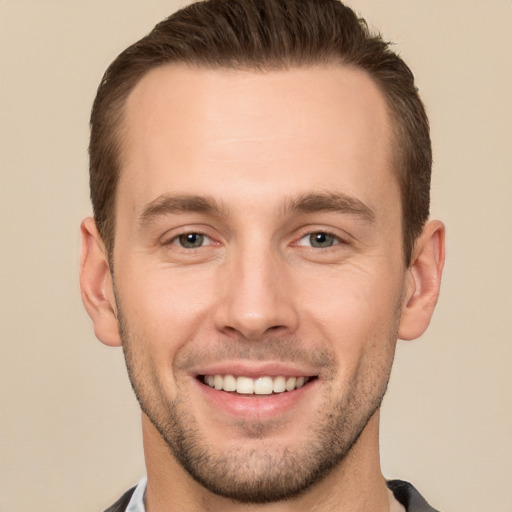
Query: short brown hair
{"x": 265, "y": 35}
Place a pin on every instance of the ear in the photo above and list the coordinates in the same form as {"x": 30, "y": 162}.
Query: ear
{"x": 423, "y": 281}
{"x": 96, "y": 285}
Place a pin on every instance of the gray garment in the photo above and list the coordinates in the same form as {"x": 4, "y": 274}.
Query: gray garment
{"x": 404, "y": 492}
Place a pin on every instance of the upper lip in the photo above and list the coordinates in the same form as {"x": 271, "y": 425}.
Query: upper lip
{"x": 255, "y": 369}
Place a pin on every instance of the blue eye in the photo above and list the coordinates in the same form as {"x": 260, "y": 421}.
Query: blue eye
{"x": 319, "y": 240}
{"x": 192, "y": 240}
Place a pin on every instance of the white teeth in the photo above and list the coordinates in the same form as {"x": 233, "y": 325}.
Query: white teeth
{"x": 290, "y": 383}
{"x": 218, "y": 381}
{"x": 263, "y": 386}
{"x": 244, "y": 385}
{"x": 260, "y": 386}
{"x": 279, "y": 385}
{"x": 229, "y": 383}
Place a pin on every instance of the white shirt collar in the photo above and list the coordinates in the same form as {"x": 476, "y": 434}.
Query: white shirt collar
{"x": 136, "y": 503}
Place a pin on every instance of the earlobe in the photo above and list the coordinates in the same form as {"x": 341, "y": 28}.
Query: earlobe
{"x": 423, "y": 281}
{"x": 96, "y": 285}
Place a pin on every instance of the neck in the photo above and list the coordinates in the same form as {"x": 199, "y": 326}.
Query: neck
{"x": 356, "y": 484}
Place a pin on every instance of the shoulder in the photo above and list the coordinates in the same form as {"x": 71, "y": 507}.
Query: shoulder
{"x": 121, "y": 504}
{"x": 409, "y": 496}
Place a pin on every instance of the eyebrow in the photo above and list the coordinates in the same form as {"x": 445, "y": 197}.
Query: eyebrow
{"x": 330, "y": 202}
{"x": 336, "y": 202}
{"x": 168, "y": 204}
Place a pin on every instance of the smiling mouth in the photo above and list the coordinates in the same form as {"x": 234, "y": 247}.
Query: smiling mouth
{"x": 260, "y": 386}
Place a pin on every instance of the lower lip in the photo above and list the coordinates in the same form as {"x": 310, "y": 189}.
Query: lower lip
{"x": 260, "y": 406}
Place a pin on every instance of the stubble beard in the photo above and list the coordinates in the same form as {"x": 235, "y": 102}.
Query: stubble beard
{"x": 263, "y": 474}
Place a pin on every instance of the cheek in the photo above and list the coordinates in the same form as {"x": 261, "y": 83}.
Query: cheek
{"x": 357, "y": 313}
{"x": 164, "y": 306}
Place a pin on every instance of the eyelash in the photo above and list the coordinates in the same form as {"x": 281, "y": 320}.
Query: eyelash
{"x": 333, "y": 238}
{"x": 178, "y": 239}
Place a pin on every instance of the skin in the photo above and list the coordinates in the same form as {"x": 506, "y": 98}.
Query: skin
{"x": 256, "y": 163}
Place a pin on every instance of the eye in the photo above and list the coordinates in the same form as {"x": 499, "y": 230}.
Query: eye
{"x": 319, "y": 240}
{"x": 192, "y": 240}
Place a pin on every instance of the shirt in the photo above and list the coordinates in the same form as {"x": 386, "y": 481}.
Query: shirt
{"x": 404, "y": 492}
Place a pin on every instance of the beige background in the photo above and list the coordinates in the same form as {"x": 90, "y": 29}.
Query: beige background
{"x": 69, "y": 426}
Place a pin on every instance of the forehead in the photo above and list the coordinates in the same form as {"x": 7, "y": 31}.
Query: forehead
{"x": 217, "y": 130}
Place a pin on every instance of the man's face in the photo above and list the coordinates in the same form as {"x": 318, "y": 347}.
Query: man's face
{"x": 258, "y": 247}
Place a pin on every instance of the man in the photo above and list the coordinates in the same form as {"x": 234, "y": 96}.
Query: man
{"x": 260, "y": 175}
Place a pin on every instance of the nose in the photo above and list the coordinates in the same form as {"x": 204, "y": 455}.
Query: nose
{"x": 256, "y": 295}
